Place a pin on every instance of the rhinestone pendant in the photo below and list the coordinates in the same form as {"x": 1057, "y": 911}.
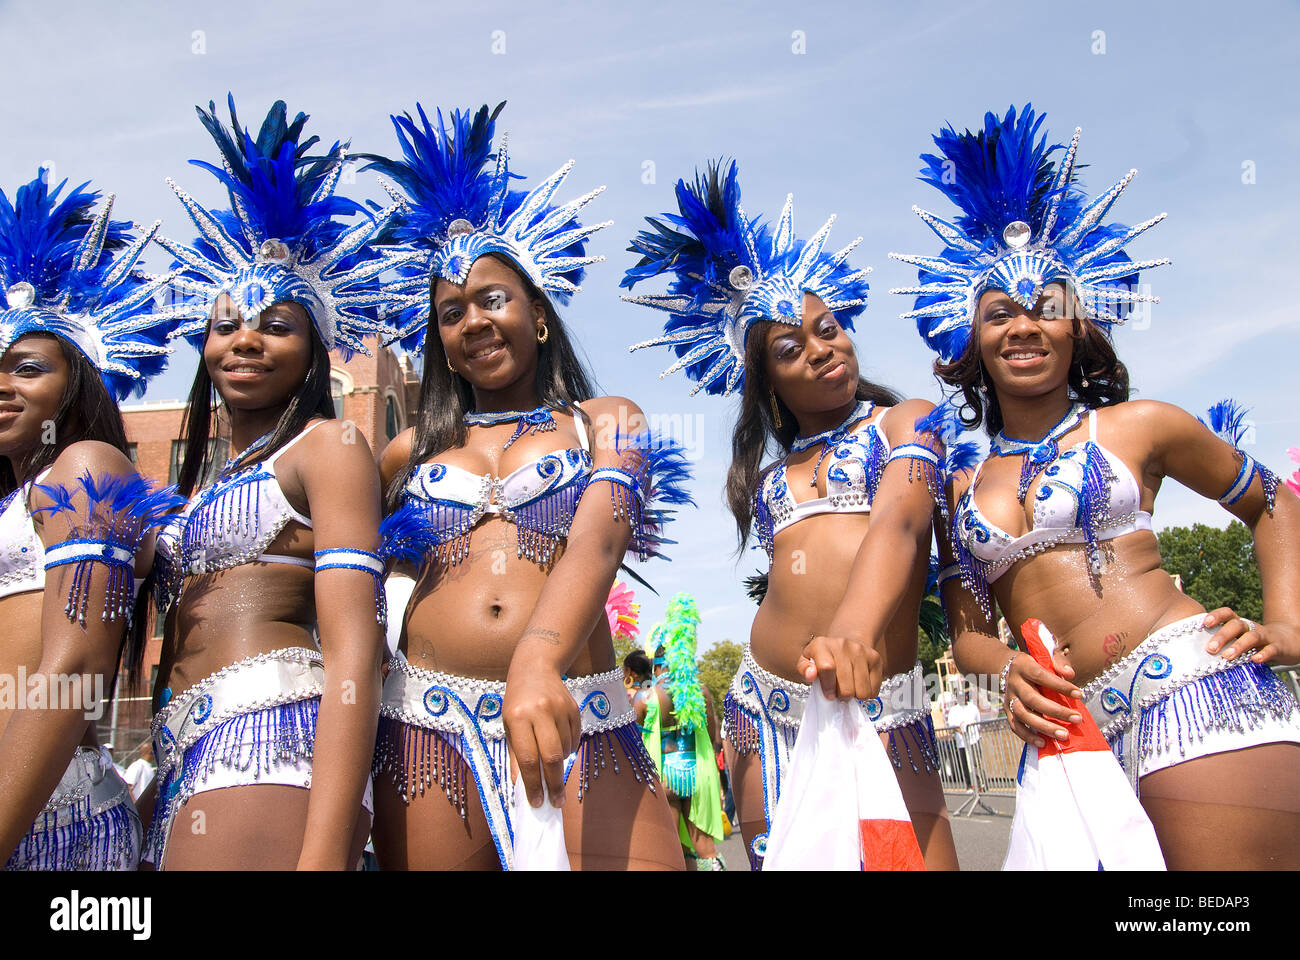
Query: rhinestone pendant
{"x": 1016, "y": 234}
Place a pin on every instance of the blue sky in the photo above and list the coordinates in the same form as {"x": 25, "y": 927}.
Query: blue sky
{"x": 1196, "y": 97}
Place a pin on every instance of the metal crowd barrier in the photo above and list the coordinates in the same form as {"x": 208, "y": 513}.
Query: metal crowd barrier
{"x": 987, "y": 764}
{"x": 991, "y": 756}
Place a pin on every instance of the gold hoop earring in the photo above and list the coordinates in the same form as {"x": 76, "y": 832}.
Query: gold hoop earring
{"x": 543, "y": 334}
{"x": 450, "y": 367}
{"x": 776, "y": 411}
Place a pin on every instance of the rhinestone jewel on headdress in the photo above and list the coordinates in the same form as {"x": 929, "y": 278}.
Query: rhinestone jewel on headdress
{"x": 538, "y": 420}
{"x": 273, "y": 250}
{"x": 742, "y": 278}
{"x": 1023, "y": 222}
{"x": 21, "y": 295}
{"x": 830, "y": 439}
{"x": 1037, "y": 454}
{"x": 1016, "y": 235}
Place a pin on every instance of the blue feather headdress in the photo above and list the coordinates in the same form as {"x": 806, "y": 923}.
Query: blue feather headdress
{"x": 68, "y": 273}
{"x": 283, "y": 238}
{"x": 1023, "y": 224}
{"x": 458, "y": 206}
{"x": 730, "y": 271}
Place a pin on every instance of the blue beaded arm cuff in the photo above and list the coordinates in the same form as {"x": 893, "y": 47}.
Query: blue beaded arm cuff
{"x": 657, "y": 475}
{"x": 1250, "y": 468}
{"x": 350, "y": 558}
{"x": 1228, "y": 420}
{"x": 114, "y": 515}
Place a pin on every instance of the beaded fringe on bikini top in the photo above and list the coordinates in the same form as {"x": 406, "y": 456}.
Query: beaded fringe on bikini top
{"x": 223, "y": 529}
{"x": 424, "y": 528}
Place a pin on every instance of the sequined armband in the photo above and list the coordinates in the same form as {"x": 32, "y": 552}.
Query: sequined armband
{"x": 658, "y": 477}
{"x": 107, "y": 517}
{"x": 1250, "y": 467}
{"x": 348, "y": 558}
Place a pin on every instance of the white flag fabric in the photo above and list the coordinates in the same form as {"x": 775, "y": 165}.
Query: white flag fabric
{"x": 1075, "y": 809}
{"x": 840, "y": 806}
{"x": 539, "y": 833}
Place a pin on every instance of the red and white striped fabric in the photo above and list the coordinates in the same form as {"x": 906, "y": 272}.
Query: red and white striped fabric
{"x": 1075, "y": 809}
{"x": 840, "y": 806}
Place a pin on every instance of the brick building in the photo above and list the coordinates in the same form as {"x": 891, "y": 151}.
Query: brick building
{"x": 379, "y": 394}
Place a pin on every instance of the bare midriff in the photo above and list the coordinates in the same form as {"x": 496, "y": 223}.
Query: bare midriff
{"x": 1096, "y": 620}
{"x": 467, "y": 618}
{"x": 810, "y": 570}
{"x": 253, "y": 608}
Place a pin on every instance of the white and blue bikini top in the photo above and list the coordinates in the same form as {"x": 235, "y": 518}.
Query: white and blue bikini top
{"x": 233, "y": 521}
{"x": 442, "y": 503}
{"x": 540, "y": 498}
{"x": 857, "y": 456}
{"x": 22, "y": 555}
{"x": 1086, "y": 494}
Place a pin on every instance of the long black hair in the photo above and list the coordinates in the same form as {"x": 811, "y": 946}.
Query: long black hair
{"x": 86, "y": 411}
{"x": 561, "y": 381}
{"x": 311, "y": 399}
{"x": 1094, "y": 360}
{"x": 757, "y": 431}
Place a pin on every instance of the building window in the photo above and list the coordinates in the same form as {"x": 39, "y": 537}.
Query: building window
{"x": 392, "y": 417}
{"x": 218, "y": 451}
{"x": 336, "y": 392}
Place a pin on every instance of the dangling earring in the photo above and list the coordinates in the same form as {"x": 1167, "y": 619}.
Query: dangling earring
{"x": 451, "y": 368}
{"x": 776, "y": 411}
{"x": 984, "y": 384}
{"x": 543, "y": 334}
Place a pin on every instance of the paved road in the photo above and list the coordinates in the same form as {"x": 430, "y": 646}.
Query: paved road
{"x": 981, "y": 838}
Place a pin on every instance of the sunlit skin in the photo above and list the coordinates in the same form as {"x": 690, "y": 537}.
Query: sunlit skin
{"x": 223, "y": 617}
{"x": 824, "y": 618}
{"x": 36, "y": 744}
{"x": 33, "y": 378}
{"x": 498, "y": 616}
{"x": 1027, "y": 355}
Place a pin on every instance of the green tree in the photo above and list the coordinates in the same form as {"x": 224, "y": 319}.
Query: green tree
{"x": 623, "y": 646}
{"x": 718, "y": 665}
{"x": 932, "y": 634}
{"x": 1217, "y": 567}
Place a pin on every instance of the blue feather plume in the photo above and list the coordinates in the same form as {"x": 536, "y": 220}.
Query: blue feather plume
{"x": 728, "y": 272}
{"x": 997, "y": 175}
{"x": 85, "y": 288}
{"x": 443, "y": 171}
{"x": 407, "y": 536}
{"x": 1227, "y": 418}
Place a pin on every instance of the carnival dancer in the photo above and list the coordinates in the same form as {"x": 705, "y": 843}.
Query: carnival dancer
{"x": 78, "y": 334}
{"x": 1056, "y": 522}
{"x": 516, "y": 496}
{"x": 753, "y": 309}
{"x": 681, "y": 734}
{"x": 268, "y": 688}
